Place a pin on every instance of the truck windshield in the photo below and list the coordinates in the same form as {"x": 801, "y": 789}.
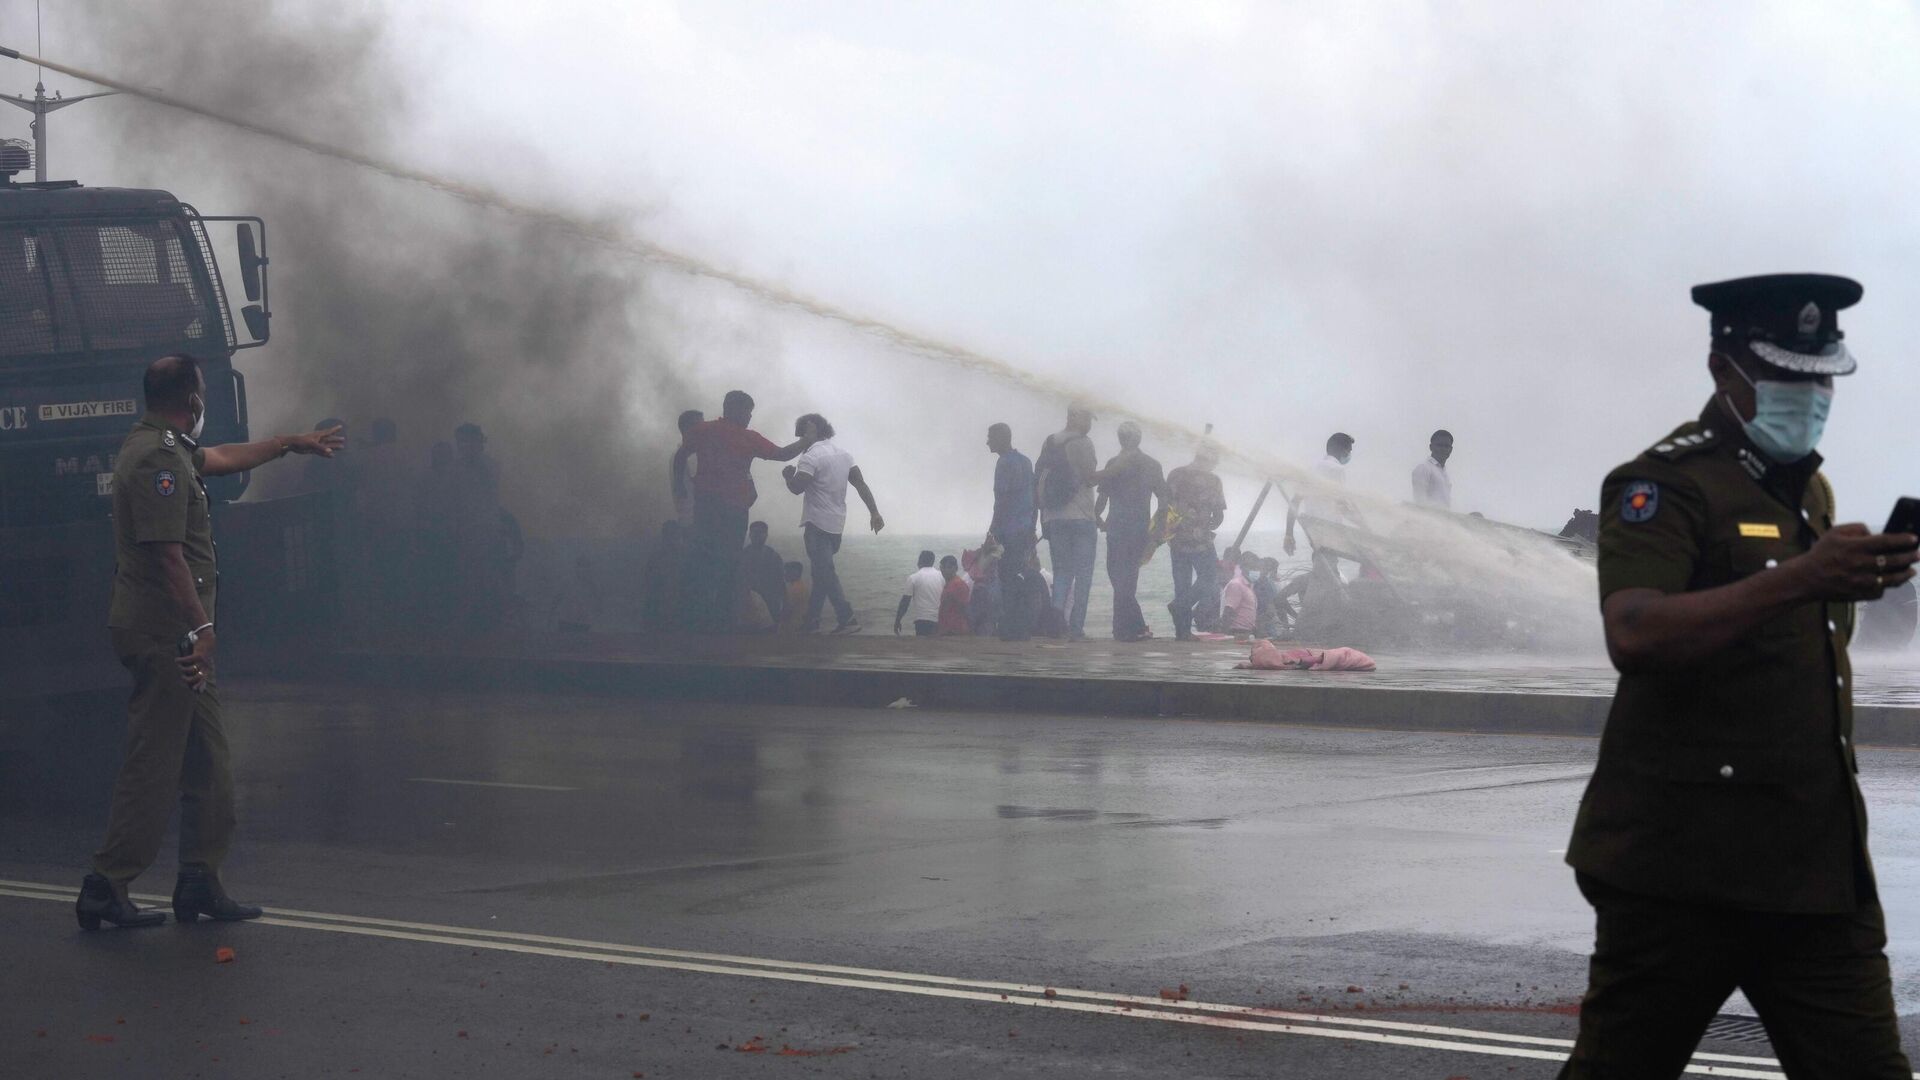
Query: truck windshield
{"x": 79, "y": 287}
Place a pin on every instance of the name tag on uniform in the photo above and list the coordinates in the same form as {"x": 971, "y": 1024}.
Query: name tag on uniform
{"x": 1760, "y": 532}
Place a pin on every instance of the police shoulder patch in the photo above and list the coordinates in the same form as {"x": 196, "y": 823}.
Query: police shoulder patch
{"x": 1639, "y": 502}
{"x": 165, "y": 483}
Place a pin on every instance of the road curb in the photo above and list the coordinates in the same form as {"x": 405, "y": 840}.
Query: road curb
{"x": 1316, "y": 700}
{"x": 1323, "y": 703}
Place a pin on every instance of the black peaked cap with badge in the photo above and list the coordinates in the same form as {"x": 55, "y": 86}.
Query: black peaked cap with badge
{"x": 1672, "y": 811}
{"x": 1789, "y": 320}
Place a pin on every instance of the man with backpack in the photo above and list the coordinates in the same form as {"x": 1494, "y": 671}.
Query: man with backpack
{"x": 1065, "y": 475}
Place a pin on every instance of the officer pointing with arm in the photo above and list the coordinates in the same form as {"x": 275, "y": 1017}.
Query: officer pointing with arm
{"x": 162, "y": 626}
{"x": 1722, "y": 840}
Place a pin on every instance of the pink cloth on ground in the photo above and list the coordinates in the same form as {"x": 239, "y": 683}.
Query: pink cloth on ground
{"x": 1238, "y": 605}
{"x": 1267, "y": 656}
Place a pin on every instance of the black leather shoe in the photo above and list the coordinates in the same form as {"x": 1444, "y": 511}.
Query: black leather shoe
{"x": 103, "y": 901}
{"x": 198, "y": 893}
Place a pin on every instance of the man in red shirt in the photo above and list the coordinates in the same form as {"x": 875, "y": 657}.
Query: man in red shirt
{"x": 723, "y": 493}
{"x": 954, "y": 598}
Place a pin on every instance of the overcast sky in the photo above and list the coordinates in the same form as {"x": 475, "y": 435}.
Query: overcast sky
{"x": 1282, "y": 219}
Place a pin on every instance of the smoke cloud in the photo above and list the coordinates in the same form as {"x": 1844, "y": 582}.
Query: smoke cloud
{"x": 395, "y": 301}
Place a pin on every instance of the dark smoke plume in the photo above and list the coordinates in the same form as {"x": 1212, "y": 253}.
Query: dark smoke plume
{"x": 396, "y": 301}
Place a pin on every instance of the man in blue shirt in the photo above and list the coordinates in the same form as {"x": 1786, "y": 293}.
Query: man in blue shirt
{"x": 1014, "y": 512}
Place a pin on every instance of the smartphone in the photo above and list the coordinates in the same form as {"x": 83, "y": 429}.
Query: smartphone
{"x": 184, "y": 647}
{"x": 1905, "y": 517}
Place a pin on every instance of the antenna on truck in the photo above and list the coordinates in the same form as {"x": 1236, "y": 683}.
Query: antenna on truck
{"x": 40, "y": 105}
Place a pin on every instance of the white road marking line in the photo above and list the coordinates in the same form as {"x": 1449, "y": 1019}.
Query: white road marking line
{"x": 487, "y": 783}
{"x": 904, "y": 976}
{"x": 1188, "y": 1012}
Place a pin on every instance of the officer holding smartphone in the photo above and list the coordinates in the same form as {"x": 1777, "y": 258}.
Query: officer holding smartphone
{"x": 162, "y": 627}
{"x": 1722, "y": 840}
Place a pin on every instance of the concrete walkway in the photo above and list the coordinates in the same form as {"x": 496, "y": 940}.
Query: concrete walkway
{"x": 1504, "y": 693}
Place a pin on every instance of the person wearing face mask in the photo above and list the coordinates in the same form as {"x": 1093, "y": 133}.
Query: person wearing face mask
{"x": 162, "y": 627}
{"x": 1722, "y": 840}
{"x": 1332, "y": 471}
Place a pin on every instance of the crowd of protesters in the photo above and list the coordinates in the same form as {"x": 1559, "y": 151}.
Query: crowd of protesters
{"x": 716, "y": 571}
{"x": 425, "y": 543}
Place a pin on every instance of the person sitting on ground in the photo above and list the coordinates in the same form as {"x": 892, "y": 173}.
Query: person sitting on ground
{"x": 1239, "y": 607}
{"x": 1048, "y": 621}
{"x": 955, "y": 595}
{"x": 982, "y": 567}
{"x": 765, "y": 571}
{"x": 1210, "y": 617}
{"x": 1269, "y": 620}
{"x": 794, "y": 617}
{"x": 750, "y": 615}
{"x": 922, "y": 598}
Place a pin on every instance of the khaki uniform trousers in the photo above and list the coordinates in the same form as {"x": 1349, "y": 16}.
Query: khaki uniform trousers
{"x": 176, "y": 750}
{"x": 1661, "y": 970}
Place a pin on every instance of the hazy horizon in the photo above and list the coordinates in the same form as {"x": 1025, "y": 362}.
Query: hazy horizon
{"x": 1381, "y": 218}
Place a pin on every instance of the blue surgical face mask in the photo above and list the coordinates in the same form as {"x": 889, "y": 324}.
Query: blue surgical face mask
{"x": 1344, "y": 458}
{"x": 1788, "y": 417}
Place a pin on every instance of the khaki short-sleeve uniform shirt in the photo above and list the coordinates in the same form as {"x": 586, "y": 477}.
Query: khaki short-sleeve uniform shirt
{"x": 159, "y": 497}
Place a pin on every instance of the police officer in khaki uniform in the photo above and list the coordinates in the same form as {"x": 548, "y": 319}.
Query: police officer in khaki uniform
{"x": 1723, "y": 840}
{"x": 162, "y": 626}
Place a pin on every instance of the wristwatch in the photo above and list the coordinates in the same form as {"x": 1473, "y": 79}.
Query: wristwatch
{"x": 193, "y": 635}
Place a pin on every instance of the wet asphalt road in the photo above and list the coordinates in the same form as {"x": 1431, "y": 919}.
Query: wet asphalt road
{"x": 1354, "y": 876}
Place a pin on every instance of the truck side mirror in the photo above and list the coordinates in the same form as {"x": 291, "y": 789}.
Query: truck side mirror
{"x": 255, "y": 317}
{"x": 250, "y": 263}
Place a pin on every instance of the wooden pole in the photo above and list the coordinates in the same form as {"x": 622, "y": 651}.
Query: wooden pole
{"x": 1247, "y": 526}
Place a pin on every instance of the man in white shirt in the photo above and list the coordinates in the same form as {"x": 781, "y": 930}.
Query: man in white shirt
{"x": 1431, "y": 484}
{"x": 922, "y": 598}
{"x": 1332, "y": 472}
{"x": 821, "y": 476}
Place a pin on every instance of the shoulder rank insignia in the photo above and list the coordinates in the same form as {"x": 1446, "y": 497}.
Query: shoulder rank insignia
{"x": 167, "y": 438}
{"x": 1681, "y": 443}
{"x": 164, "y": 482}
{"x": 1639, "y": 502}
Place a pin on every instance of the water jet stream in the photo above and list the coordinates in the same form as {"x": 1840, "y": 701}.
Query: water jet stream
{"x": 623, "y": 241}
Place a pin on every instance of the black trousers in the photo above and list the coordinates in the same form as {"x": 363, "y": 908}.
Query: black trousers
{"x": 1661, "y": 970}
{"x": 1125, "y": 547}
{"x": 713, "y": 565}
{"x": 1018, "y": 586}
